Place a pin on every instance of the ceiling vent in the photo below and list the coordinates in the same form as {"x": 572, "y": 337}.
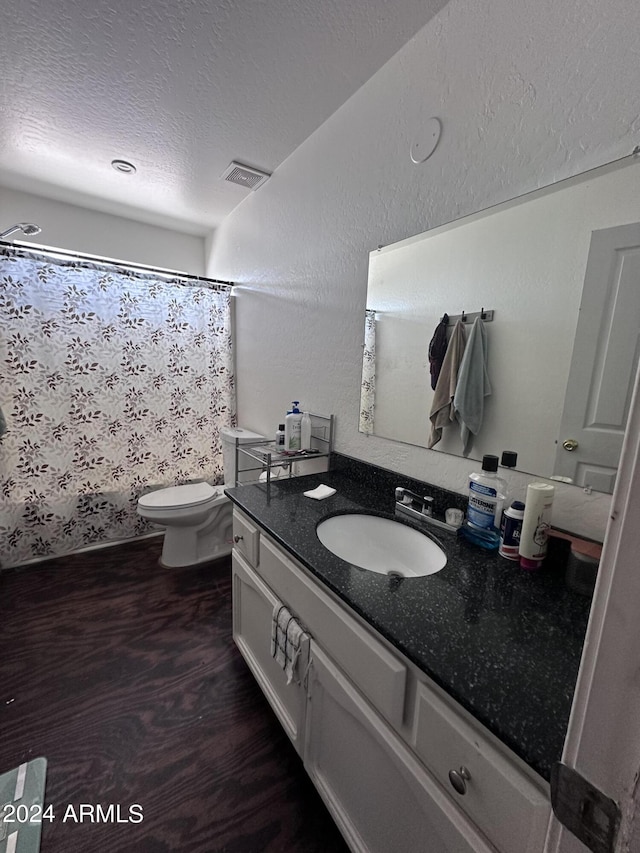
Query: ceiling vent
{"x": 245, "y": 176}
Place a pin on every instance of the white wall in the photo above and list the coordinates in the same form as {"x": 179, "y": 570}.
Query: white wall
{"x": 528, "y": 92}
{"x": 67, "y": 226}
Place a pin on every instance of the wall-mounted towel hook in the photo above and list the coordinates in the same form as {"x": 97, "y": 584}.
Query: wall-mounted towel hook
{"x": 485, "y": 314}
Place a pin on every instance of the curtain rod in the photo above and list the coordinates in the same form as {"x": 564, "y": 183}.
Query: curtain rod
{"x": 126, "y": 264}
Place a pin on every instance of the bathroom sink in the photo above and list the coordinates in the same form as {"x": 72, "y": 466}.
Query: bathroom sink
{"x": 381, "y": 545}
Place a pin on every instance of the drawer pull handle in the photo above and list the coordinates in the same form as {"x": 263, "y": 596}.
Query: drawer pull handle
{"x": 459, "y": 779}
{"x": 237, "y": 539}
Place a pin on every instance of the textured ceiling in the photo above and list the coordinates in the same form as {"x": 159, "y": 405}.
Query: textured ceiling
{"x": 180, "y": 88}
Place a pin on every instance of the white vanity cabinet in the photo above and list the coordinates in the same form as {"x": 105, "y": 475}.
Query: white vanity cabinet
{"x": 378, "y": 793}
{"x": 377, "y": 738}
{"x": 253, "y": 605}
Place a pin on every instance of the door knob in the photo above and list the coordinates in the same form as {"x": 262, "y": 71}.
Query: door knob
{"x": 237, "y": 539}
{"x": 459, "y": 779}
{"x": 570, "y": 444}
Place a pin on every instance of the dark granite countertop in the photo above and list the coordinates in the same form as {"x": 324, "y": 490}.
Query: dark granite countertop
{"x": 503, "y": 642}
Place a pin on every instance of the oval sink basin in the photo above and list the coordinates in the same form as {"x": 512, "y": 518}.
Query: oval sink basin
{"x": 381, "y": 545}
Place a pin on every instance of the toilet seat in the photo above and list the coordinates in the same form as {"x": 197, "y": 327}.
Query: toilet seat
{"x": 181, "y": 497}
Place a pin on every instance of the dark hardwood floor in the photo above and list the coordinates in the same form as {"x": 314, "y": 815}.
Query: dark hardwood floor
{"x": 125, "y": 677}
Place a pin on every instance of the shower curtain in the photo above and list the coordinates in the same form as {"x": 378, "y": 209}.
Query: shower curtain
{"x": 112, "y": 382}
{"x": 368, "y": 385}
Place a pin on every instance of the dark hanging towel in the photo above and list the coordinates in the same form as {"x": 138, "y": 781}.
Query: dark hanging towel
{"x": 438, "y": 349}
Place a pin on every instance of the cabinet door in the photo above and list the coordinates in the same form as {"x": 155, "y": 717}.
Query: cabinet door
{"x": 379, "y": 795}
{"x": 253, "y": 604}
{"x": 378, "y": 674}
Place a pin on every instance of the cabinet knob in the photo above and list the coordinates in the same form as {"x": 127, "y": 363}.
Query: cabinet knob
{"x": 459, "y": 779}
{"x": 237, "y": 539}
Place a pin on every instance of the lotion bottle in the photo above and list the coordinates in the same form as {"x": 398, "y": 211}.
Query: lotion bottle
{"x": 536, "y": 524}
{"x": 305, "y": 431}
{"x": 292, "y": 428}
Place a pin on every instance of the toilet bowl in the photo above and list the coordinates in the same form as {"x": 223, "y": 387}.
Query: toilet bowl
{"x": 198, "y": 521}
{"x": 198, "y": 517}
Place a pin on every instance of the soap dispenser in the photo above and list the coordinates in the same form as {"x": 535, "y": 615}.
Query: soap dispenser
{"x": 293, "y": 428}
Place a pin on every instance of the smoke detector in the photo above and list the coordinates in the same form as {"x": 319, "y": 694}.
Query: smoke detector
{"x": 245, "y": 176}
{"x": 124, "y": 166}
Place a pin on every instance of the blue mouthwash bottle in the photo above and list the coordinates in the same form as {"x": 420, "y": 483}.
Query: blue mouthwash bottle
{"x": 484, "y": 509}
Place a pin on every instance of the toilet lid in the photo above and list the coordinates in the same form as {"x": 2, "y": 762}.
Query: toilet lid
{"x": 176, "y": 497}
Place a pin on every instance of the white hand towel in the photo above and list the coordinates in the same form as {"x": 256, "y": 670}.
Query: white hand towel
{"x": 473, "y": 385}
{"x": 320, "y": 493}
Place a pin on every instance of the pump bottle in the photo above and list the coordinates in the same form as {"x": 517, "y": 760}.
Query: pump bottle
{"x": 292, "y": 428}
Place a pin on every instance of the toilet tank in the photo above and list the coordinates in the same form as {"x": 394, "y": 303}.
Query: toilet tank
{"x": 243, "y": 436}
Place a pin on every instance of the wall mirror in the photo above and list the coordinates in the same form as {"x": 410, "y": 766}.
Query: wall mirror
{"x": 560, "y": 269}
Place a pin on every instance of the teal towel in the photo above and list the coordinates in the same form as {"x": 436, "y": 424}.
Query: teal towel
{"x": 473, "y": 385}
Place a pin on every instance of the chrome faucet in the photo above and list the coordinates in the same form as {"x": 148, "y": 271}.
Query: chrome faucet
{"x": 406, "y": 498}
{"x": 418, "y": 508}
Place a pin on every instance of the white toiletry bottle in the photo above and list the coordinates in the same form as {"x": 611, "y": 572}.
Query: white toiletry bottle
{"x": 292, "y": 428}
{"x": 305, "y": 431}
{"x": 484, "y": 509}
{"x": 280, "y": 438}
{"x": 536, "y": 524}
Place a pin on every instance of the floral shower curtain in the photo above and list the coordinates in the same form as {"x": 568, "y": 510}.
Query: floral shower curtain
{"x": 112, "y": 382}
{"x": 368, "y": 386}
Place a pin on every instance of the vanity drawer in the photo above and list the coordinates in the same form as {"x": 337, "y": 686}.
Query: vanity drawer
{"x": 379, "y": 675}
{"x": 246, "y": 538}
{"x": 505, "y": 803}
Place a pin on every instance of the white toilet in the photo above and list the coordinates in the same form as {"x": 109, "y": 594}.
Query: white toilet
{"x": 197, "y": 516}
